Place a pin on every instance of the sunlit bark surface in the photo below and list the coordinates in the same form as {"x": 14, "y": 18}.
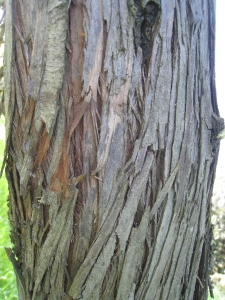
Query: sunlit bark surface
{"x": 111, "y": 120}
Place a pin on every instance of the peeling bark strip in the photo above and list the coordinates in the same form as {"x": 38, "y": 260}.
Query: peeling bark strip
{"x": 111, "y": 118}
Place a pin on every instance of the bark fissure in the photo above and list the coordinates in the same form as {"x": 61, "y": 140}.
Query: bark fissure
{"x": 111, "y": 149}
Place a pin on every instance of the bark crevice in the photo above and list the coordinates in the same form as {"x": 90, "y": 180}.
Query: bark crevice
{"x": 111, "y": 125}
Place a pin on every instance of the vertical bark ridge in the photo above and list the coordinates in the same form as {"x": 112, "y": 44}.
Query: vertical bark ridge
{"x": 111, "y": 113}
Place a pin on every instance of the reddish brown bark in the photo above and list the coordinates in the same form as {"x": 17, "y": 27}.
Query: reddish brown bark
{"x": 111, "y": 147}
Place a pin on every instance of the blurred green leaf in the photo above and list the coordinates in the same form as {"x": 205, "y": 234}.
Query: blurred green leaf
{"x": 8, "y": 289}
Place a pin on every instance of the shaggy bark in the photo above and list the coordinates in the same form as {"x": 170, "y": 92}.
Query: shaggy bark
{"x": 111, "y": 119}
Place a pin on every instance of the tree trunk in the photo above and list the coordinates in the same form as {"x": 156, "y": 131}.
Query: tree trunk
{"x": 111, "y": 124}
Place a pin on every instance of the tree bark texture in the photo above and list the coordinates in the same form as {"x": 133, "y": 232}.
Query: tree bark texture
{"x": 111, "y": 124}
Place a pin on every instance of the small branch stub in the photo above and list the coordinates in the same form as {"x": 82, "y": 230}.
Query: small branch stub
{"x": 221, "y": 135}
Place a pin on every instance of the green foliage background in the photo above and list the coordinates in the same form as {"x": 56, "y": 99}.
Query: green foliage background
{"x": 8, "y": 289}
{"x": 218, "y": 211}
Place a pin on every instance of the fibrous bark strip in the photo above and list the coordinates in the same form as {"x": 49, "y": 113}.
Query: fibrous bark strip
{"x": 111, "y": 119}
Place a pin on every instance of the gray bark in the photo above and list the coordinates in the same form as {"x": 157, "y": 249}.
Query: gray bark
{"x": 111, "y": 124}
